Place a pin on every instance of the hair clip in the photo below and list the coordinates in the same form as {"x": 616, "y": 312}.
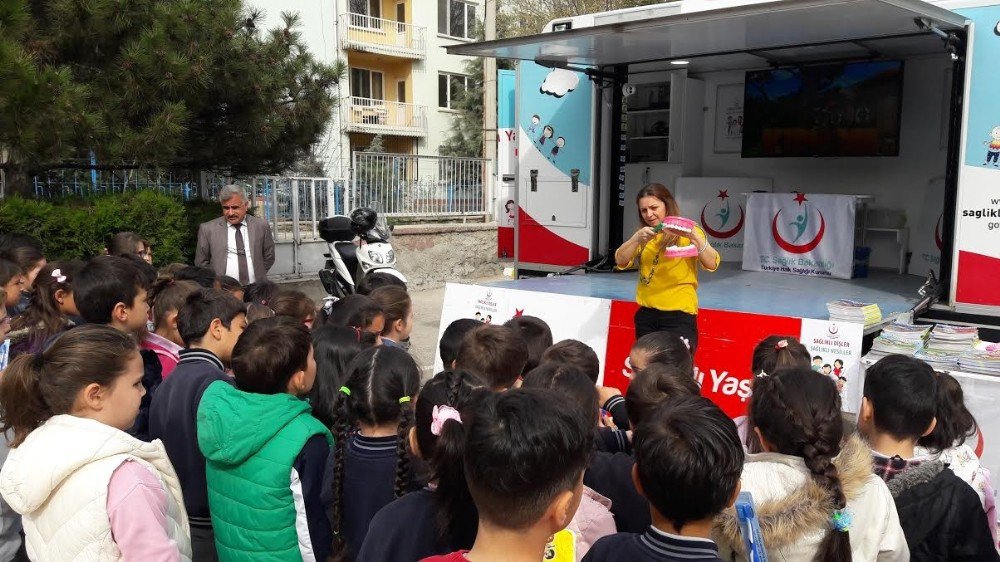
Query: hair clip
{"x": 762, "y": 375}
{"x": 441, "y": 414}
{"x": 404, "y": 400}
{"x": 58, "y": 276}
{"x": 357, "y": 333}
{"x": 346, "y": 391}
{"x": 782, "y": 344}
{"x": 687, "y": 343}
{"x": 842, "y": 519}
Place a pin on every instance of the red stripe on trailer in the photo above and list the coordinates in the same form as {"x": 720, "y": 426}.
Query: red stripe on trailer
{"x": 975, "y": 282}
{"x": 538, "y": 244}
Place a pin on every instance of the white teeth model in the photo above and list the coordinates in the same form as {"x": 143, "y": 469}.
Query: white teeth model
{"x": 688, "y": 251}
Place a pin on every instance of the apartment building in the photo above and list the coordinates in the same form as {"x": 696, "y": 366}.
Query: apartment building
{"x": 401, "y": 84}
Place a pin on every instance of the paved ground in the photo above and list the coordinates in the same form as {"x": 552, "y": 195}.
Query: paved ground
{"x": 427, "y": 317}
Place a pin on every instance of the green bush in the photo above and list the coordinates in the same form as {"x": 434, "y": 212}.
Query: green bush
{"x": 80, "y": 228}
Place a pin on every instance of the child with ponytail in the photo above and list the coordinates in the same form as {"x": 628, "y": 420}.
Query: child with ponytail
{"x": 813, "y": 489}
{"x": 371, "y": 464}
{"x": 769, "y": 355}
{"x": 397, "y": 306}
{"x": 52, "y": 309}
{"x": 441, "y": 517}
{"x": 85, "y": 488}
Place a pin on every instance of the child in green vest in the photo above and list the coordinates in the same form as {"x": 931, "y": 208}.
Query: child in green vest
{"x": 266, "y": 454}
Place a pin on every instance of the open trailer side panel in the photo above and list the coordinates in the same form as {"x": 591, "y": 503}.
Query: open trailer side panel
{"x": 976, "y": 251}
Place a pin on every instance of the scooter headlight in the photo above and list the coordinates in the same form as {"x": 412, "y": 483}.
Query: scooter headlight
{"x": 375, "y": 256}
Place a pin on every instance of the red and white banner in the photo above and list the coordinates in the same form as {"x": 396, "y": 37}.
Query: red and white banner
{"x": 800, "y": 234}
{"x": 719, "y": 206}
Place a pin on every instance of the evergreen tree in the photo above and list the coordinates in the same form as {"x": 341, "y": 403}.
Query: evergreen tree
{"x": 188, "y": 84}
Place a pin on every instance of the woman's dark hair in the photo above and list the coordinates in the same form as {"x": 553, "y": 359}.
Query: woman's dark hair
{"x": 200, "y": 275}
{"x": 537, "y": 336}
{"x": 268, "y": 353}
{"x": 665, "y": 348}
{"x": 798, "y": 412}
{"x": 381, "y": 384}
{"x": 35, "y": 387}
{"x": 353, "y": 310}
{"x": 168, "y": 295}
{"x": 124, "y": 243}
{"x": 955, "y": 422}
{"x": 22, "y": 249}
{"x": 661, "y": 192}
{"x": 43, "y": 319}
{"x": 294, "y": 304}
{"x": 333, "y": 348}
{"x": 395, "y": 304}
{"x": 570, "y": 382}
{"x": 260, "y": 292}
{"x": 457, "y": 519}
{"x": 653, "y": 386}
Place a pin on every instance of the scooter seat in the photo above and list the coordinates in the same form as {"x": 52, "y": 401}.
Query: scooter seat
{"x": 349, "y": 252}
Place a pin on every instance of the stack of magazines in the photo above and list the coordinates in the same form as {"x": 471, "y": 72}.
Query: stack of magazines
{"x": 899, "y": 338}
{"x": 845, "y": 310}
{"x": 948, "y": 338}
{"x": 984, "y": 361}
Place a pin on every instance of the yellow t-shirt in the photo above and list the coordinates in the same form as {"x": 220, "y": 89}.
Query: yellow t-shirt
{"x": 674, "y": 285}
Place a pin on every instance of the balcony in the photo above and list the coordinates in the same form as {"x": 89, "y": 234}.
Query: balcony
{"x": 381, "y": 117}
{"x": 385, "y": 37}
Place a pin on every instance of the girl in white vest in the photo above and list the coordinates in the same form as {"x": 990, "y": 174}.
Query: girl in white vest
{"x": 86, "y": 489}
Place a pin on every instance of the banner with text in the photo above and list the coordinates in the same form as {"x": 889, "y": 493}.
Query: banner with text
{"x": 835, "y": 348}
{"x": 800, "y": 234}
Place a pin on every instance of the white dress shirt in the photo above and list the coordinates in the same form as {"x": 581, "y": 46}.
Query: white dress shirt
{"x": 232, "y": 259}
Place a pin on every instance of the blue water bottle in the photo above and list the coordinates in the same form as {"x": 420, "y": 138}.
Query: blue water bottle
{"x": 746, "y": 515}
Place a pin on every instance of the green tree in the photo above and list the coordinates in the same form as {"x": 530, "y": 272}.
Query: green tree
{"x": 528, "y": 17}
{"x": 188, "y": 84}
{"x": 466, "y": 137}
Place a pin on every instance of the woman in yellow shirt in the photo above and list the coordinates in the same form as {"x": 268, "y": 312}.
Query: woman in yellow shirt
{"x": 667, "y": 289}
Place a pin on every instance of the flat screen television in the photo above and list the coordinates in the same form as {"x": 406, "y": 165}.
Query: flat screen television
{"x": 844, "y": 109}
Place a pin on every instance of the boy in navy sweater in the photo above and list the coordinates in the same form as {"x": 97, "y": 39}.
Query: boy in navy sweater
{"x": 210, "y": 322}
{"x": 688, "y": 465}
{"x": 112, "y": 291}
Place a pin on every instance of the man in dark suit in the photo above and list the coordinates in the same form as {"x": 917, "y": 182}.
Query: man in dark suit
{"x": 236, "y": 244}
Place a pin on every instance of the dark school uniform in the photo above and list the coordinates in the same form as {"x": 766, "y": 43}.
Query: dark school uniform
{"x": 654, "y": 546}
{"x": 406, "y": 530}
{"x": 611, "y": 476}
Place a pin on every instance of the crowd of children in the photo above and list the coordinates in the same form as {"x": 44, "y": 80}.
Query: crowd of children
{"x": 173, "y": 415}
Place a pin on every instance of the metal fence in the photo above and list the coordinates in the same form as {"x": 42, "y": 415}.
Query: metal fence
{"x": 85, "y": 183}
{"x": 406, "y": 185}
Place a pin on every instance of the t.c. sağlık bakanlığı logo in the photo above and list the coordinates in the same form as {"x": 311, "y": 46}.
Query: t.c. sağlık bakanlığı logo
{"x": 801, "y": 225}
{"x": 724, "y": 214}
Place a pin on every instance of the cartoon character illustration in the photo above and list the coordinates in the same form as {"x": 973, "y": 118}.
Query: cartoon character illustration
{"x": 535, "y": 120}
{"x": 817, "y": 363}
{"x": 838, "y": 367}
{"x": 509, "y": 208}
{"x": 560, "y": 142}
{"x": 827, "y": 369}
{"x": 993, "y": 148}
{"x": 841, "y": 381}
{"x": 800, "y": 224}
{"x": 547, "y": 133}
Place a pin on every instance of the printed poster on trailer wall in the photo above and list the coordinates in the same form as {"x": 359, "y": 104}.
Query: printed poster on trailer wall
{"x": 802, "y": 234}
{"x": 835, "y": 348}
{"x": 569, "y": 317}
{"x": 719, "y": 206}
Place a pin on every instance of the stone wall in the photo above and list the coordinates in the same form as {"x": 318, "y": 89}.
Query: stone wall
{"x": 431, "y": 254}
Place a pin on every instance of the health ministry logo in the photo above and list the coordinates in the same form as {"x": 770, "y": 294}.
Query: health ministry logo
{"x": 724, "y": 213}
{"x": 801, "y": 224}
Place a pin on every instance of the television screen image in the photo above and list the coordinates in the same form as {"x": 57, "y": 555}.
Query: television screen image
{"x": 844, "y": 109}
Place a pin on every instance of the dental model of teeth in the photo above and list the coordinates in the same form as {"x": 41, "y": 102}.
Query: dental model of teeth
{"x": 679, "y": 225}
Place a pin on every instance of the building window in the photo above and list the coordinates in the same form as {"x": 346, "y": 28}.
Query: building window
{"x": 450, "y": 89}
{"x": 366, "y": 84}
{"x": 457, "y": 18}
{"x": 365, "y": 12}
